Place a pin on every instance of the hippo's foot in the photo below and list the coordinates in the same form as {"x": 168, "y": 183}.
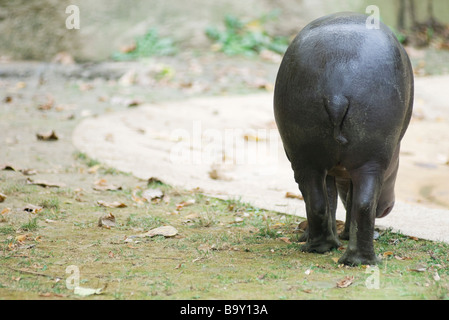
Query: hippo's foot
{"x": 321, "y": 246}
{"x": 354, "y": 258}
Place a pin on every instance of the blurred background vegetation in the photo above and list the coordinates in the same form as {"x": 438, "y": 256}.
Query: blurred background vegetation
{"x": 129, "y": 30}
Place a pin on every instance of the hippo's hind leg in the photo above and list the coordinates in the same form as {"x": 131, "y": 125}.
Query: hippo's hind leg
{"x": 345, "y": 192}
{"x": 332, "y": 196}
{"x": 320, "y": 195}
{"x": 366, "y": 188}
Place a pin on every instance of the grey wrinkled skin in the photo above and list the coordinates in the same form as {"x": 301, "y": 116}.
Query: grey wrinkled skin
{"x": 343, "y": 100}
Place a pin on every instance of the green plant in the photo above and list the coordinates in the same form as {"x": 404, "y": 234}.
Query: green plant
{"x": 31, "y": 225}
{"x": 148, "y": 45}
{"x": 246, "y": 38}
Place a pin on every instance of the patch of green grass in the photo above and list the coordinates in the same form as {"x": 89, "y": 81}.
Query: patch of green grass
{"x": 86, "y": 159}
{"x": 150, "y": 44}
{"x": 51, "y": 203}
{"x": 110, "y": 171}
{"x": 246, "y": 38}
{"x": 91, "y": 163}
{"x": 145, "y": 222}
{"x": 14, "y": 186}
{"x": 31, "y": 225}
{"x": 7, "y": 230}
{"x": 205, "y": 219}
{"x": 78, "y": 155}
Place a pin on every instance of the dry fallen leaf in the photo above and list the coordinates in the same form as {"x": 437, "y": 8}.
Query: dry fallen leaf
{"x": 21, "y": 238}
{"x": 47, "y": 136}
{"x": 5, "y": 211}
{"x": 185, "y": 204}
{"x": 28, "y": 172}
{"x": 103, "y": 185}
{"x": 48, "y": 104}
{"x": 2, "y": 197}
{"x": 135, "y": 198}
{"x": 419, "y": 268}
{"x": 109, "y": 187}
{"x": 345, "y": 282}
{"x": 84, "y": 292}
{"x": 166, "y": 231}
{"x": 115, "y": 204}
{"x": 32, "y": 208}
{"x": 154, "y": 180}
{"x": 292, "y": 195}
{"x": 7, "y": 167}
{"x": 45, "y": 184}
{"x": 107, "y": 221}
{"x": 285, "y": 239}
{"x": 151, "y": 194}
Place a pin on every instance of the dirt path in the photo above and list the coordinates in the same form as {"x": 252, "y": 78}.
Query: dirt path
{"x": 229, "y": 147}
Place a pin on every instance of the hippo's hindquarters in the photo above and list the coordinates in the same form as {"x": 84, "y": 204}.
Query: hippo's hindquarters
{"x": 343, "y": 101}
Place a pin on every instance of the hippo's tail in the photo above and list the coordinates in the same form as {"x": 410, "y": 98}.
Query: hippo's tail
{"x": 337, "y": 108}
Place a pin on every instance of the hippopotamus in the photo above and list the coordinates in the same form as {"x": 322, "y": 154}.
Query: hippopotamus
{"x": 343, "y": 100}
